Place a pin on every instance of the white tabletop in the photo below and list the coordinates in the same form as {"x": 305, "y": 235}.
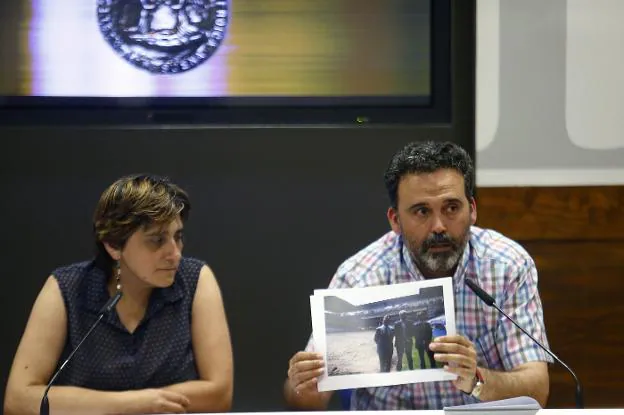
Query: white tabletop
{"x": 601, "y": 411}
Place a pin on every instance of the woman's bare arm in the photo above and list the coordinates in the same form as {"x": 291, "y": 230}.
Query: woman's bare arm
{"x": 212, "y": 349}
{"x": 36, "y": 359}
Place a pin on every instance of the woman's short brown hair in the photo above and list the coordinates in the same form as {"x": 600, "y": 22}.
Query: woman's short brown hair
{"x": 134, "y": 202}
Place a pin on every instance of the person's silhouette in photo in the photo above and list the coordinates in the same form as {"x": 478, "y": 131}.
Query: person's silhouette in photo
{"x": 383, "y": 337}
{"x": 422, "y": 339}
{"x": 403, "y": 333}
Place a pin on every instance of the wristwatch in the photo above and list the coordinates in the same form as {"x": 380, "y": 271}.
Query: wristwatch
{"x": 479, "y": 382}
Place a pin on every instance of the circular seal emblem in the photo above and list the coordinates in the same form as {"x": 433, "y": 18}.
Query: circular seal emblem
{"x": 164, "y": 36}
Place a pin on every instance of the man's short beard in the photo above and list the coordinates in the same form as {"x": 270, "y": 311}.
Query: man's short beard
{"x": 438, "y": 263}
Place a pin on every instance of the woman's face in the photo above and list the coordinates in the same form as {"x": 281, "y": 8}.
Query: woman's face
{"x": 152, "y": 254}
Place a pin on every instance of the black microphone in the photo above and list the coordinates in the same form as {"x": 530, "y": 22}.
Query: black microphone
{"x": 489, "y": 300}
{"x": 44, "y": 408}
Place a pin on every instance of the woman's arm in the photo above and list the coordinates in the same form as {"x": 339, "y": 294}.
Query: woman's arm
{"x": 37, "y": 357}
{"x": 212, "y": 349}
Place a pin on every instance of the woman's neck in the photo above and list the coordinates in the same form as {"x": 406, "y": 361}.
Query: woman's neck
{"x": 136, "y": 293}
{"x": 133, "y": 304}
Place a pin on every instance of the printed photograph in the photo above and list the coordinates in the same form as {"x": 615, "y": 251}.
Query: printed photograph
{"x": 378, "y": 336}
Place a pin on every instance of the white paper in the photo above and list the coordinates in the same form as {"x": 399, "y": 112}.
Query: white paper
{"x": 344, "y": 322}
{"x": 523, "y": 405}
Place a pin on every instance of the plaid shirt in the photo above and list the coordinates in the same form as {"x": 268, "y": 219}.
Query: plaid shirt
{"x": 501, "y": 267}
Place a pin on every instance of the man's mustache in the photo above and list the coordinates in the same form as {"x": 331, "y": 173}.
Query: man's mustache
{"x": 438, "y": 239}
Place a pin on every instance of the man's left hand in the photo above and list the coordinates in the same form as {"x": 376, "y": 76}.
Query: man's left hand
{"x": 459, "y": 356}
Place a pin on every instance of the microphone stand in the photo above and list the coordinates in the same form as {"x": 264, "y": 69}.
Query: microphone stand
{"x": 44, "y": 407}
{"x": 489, "y": 300}
{"x": 579, "y": 391}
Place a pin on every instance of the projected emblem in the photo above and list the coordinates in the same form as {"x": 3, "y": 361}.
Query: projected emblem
{"x": 164, "y": 36}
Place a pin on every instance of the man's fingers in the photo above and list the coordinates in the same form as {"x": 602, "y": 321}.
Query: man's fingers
{"x": 462, "y": 373}
{"x": 308, "y": 385}
{"x": 461, "y": 361}
{"x": 455, "y": 367}
{"x": 302, "y": 377}
{"x": 307, "y": 365}
{"x": 453, "y": 339}
{"x": 453, "y": 348}
{"x": 302, "y": 356}
{"x": 304, "y": 367}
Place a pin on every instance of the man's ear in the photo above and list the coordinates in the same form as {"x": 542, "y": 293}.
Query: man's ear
{"x": 393, "y": 220}
{"x": 473, "y": 211}
{"x": 114, "y": 253}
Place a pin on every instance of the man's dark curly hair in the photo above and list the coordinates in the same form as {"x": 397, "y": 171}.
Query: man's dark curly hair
{"x": 428, "y": 157}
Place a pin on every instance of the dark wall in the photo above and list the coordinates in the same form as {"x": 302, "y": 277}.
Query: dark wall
{"x": 275, "y": 211}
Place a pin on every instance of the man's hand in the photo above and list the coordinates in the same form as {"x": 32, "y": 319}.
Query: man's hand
{"x": 303, "y": 370}
{"x": 460, "y": 357}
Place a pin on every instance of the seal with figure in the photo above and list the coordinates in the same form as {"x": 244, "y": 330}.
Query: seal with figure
{"x": 164, "y": 36}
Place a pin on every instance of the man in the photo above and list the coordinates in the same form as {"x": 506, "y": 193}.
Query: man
{"x": 383, "y": 338}
{"x": 403, "y": 333}
{"x": 432, "y": 215}
{"x": 422, "y": 339}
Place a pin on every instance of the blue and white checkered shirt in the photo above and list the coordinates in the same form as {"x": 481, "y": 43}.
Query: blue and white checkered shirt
{"x": 501, "y": 267}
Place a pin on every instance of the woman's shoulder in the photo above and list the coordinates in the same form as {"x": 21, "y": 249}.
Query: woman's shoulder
{"x": 191, "y": 267}
{"x": 75, "y": 269}
{"x": 73, "y": 273}
{"x": 189, "y": 271}
{"x": 74, "y": 278}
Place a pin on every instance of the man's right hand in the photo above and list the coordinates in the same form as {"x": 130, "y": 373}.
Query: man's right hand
{"x": 304, "y": 368}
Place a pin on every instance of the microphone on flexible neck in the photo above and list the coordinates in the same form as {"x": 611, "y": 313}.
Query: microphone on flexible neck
{"x": 489, "y": 300}
{"x": 44, "y": 408}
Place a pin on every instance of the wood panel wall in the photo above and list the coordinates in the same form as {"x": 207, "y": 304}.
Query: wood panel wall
{"x": 576, "y": 236}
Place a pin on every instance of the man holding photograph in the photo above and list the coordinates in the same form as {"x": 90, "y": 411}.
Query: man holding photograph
{"x": 432, "y": 214}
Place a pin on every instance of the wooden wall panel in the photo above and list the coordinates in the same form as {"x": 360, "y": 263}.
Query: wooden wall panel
{"x": 581, "y": 285}
{"x": 560, "y": 213}
{"x": 576, "y": 236}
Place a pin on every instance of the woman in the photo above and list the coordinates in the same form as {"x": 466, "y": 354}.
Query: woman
{"x": 165, "y": 348}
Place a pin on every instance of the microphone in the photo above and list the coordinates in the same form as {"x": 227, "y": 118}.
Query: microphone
{"x": 489, "y": 300}
{"x": 44, "y": 408}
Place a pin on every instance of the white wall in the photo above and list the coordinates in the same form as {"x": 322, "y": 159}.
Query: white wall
{"x": 550, "y": 92}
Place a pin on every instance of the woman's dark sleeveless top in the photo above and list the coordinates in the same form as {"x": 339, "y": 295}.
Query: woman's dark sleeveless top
{"x": 158, "y": 353}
